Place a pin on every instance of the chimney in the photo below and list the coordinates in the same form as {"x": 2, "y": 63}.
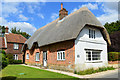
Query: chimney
{"x": 6, "y": 29}
{"x": 63, "y": 12}
{"x": 61, "y": 6}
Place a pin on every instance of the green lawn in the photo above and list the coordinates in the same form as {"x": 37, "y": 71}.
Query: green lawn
{"x": 20, "y": 71}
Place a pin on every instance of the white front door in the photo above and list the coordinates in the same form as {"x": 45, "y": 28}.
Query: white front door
{"x": 44, "y": 58}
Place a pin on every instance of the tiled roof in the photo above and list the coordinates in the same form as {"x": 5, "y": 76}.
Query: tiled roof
{"x": 17, "y": 38}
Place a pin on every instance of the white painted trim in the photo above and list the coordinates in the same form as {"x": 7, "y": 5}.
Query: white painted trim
{"x": 92, "y": 41}
{"x": 60, "y": 56}
{"x": 5, "y": 42}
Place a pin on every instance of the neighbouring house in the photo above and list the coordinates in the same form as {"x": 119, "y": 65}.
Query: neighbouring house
{"x": 12, "y": 44}
{"x": 77, "y": 41}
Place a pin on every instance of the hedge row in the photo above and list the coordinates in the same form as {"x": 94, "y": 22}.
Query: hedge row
{"x": 12, "y": 61}
{"x": 114, "y": 56}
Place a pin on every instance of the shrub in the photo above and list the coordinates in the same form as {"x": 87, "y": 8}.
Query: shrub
{"x": 3, "y": 60}
{"x": 113, "y": 56}
{"x": 10, "y": 58}
{"x": 17, "y": 62}
{"x": 2, "y": 51}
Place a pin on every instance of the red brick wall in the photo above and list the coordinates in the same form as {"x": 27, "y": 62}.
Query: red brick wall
{"x": 68, "y": 46}
{"x": 10, "y": 50}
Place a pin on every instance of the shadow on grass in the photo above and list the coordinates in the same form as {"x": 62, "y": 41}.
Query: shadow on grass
{"x": 9, "y": 78}
{"x": 15, "y": 78}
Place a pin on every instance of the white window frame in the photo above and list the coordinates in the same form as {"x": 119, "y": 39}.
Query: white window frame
{"x": 16, "y": 46}
{"x": 59, "y": 53}
{"x": 91, "y": 52}
{"x": 27, "y": 56}
{"x": 92, "y": 33}
{"x": 37, "y": 53}
{"x": 15, "y": 56}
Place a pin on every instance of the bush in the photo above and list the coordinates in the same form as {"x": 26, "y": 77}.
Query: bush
{"x": 114, "y": 56}
{"x": 10, "y": 58}
{"x": 3, "y": 60}
{"x": 17, "y": 62}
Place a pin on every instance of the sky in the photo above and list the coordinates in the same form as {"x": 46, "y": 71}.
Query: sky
{"x": 30, "y": 16}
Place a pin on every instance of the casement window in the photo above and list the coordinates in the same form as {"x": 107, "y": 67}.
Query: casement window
{"x": 27, "y": 56}
{"x": 93, "y": 55}
{"x": 15, "y": 56}
{"x": 37, "y": 56}
{"x": 60, "y": 55}
{"x": 92, "y": 33}
{"x": 16, "y": 46}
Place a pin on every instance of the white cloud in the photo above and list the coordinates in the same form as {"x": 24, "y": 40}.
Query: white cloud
{"x": 9, "y": 8}
{"x": 22, "y": 18}
{"x": 90, "y": 6}
{"x": 24, "y": 26}
{"x": 75, "y": 9}
{"x": 54, "y": 16}
{"x": 112, "y": 17}
{"x": 41, "y": 15}
{"x": 32, "y": 7}
{"x": 110, "y": 12}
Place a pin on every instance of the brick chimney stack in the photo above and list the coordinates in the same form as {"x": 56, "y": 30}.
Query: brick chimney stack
{"x": 6, "y": 29}
{"x": 61, "y": 6}
{"x": 63, "y": 12}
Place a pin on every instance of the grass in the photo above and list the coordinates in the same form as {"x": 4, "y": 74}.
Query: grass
{"x": 91, "y": 71}
{"x": 20, "y": 71}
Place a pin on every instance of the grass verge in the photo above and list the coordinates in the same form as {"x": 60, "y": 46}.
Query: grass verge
{"x": 91, "y": 71}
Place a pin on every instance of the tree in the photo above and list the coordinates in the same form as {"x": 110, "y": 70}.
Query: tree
{"x": 112, "y": 27}
{"x": 114, "y": 32}
{"x": 3, "y": 28}
{"x": 15, "y": 31}
{"x": 115, "y": 40}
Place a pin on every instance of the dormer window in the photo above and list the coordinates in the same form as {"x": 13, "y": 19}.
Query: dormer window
{"x": 92, "y": 33}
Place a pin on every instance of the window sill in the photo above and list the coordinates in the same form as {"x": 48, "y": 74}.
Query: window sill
{"x": 16, "y": 49}
{"x": 93, "y": 61}
{"x": 37, "y": 60}
{"x": 61, "y": 60}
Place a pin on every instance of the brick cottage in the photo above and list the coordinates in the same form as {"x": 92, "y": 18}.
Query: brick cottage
{"x": 12, "y": 44}
{"x": 76, "y": 41}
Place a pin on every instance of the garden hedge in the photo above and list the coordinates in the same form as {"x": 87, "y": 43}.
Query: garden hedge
{"x": 17, "y": 62}
{"x": 114, "y": 56}
{"x": 3, "y": 60}
{"x": 10, "y": 58}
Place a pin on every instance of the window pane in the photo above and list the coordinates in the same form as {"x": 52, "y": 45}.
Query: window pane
{"x": 37, "y": 56}
{"x": 94, "y": 34}
{"x": 95, "y": 55}
{"x": 27, "y": 56}
{"x": 58, "y": 55}
{"x": 88, "y": 56}
{"x": 89, "y": 34}
{"x": 63, "y": 55}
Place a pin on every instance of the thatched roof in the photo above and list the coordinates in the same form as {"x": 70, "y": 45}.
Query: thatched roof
{"x": 66, "y": 29}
